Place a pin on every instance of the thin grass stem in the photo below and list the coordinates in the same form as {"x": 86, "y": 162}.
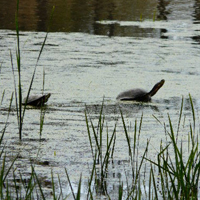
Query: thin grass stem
{"x": 70, "y": 184}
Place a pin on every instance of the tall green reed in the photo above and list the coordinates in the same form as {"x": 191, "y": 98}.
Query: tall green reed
{"x": 101, "y": 156}
{"x": 18, "y": 56}
{"x": 4, "y": 89}
{"x": 42, "y": 116}
{"x": 18, "y": 93}
{"x": 134, "y": 190}
{"x": 42, "y": 108}
{"x": 179, "y": 171}
{"x": 78, "y": 194}
{"x": 4, "y": 168}
{"x": 2, "y": 97}
{"x": 178, "y": 176}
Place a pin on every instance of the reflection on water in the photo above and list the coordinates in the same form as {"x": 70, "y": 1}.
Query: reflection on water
{"x": 162, "y": 9}
{"x": 81, "y": 16}
{"x": 74, "y": 16}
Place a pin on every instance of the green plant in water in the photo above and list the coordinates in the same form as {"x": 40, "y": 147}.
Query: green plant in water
{"x": 4, "y": 168}
{"x": 18, "y": 95}
{"x": 179, "y": 176}
{"x": 42, "y": 115}
{"x": 134, "y": 191}
{"x": 43, "y": 108}
{"x": 78, "y": 194}
{"x": 19, "y": 110}
{"x": 3, "y": 90}
{"x": 154, "y": 15}
{"x": 2, "y": 96}
{"x": 101, "y": 157}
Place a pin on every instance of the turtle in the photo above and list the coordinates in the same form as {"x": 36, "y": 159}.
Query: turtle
{"x": 36, "y": 100}
{"x": 140, "y": 94}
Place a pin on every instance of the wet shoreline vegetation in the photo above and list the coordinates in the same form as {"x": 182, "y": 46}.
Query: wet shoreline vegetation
{"x": 172, "y": 176}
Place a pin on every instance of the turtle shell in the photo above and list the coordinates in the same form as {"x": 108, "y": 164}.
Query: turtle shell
{"x": 134, "y": 95}
{"x": 36, "y": 100}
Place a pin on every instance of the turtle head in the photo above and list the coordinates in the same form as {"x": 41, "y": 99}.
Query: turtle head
{"x": 47, "y": 97}
{"x": 156, "y": 87}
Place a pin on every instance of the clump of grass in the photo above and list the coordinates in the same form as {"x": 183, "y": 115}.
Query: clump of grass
{"x": 103, "y": 159}
{"x": 101, "y": 156}
{"x": 134, "y": 190}
{"x": 179, "y": 176}
{"x": 4, "y": 168}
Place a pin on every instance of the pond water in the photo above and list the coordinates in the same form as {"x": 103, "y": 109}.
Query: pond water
{"x": 94, "y": 52}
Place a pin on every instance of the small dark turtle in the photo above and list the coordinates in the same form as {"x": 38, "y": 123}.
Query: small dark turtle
{"x": 139, "y": 94}
{"x": 37, "y": 100}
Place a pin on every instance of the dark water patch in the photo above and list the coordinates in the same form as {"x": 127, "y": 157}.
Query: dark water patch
{"x": 137, "y": 106}
{"x": 96, "y": 108}
{"x": 32, "y": 140}
{"x": 37, "y": 162}
{"x": 171, "y": 71}
{"x": 51, "y": 45}
{"x": 67, "y": 109}
{"x": 110, "y": 63}
{"x": 20, "y": 34}
{"x": 46, "y": 44}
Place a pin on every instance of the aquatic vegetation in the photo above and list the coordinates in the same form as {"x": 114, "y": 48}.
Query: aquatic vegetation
{"x": 100, "y": 156}
{"x": 179, "y": 176}
{"x": 134, "y": 190}
{"x": 17, "y": 84}
{"x": 4, "y": 168}
{"x": 174, "y": 175}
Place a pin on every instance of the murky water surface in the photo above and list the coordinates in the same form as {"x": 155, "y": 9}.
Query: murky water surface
{"x": 87, "y": 63}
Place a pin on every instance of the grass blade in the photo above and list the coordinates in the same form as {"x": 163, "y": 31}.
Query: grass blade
{"x": 53, "y": 186}
{"x": 38, "y": 182}
{"x": 89, "y": 134}
{"x": 78, "y": 196}
{"x": 70, "y": 183}
{"x": 180, "y": 115}
{"x": 192, "y": 107}
{"x": 127, "y": 137}
{"x": 2, "y": 96}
